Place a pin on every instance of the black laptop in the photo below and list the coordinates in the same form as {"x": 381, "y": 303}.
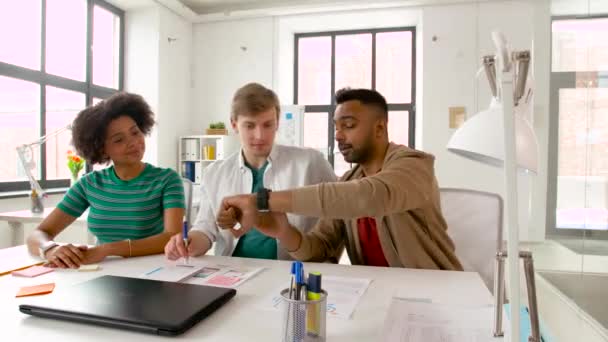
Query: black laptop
{"x": 157, "y": 307}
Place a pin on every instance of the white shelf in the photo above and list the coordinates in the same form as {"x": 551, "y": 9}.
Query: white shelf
{"x": 191, "y": 149}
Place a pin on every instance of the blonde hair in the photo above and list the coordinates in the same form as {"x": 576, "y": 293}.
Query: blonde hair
{"x": 252, "y": 99}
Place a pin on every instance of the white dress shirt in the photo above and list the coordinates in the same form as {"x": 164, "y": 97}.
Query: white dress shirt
{"x": 288, "y": 167}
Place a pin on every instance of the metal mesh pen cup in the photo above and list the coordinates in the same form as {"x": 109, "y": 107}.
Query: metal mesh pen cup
{"x": 303, "y": 320}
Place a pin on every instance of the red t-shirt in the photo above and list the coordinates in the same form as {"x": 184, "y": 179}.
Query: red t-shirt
{"x": 370, "y": 243}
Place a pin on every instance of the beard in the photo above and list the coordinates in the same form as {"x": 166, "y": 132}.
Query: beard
{"x": 356, "y": 155}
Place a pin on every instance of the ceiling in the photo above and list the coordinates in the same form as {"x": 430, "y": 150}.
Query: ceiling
{"x": 201, "y": 7}
{"x": 212, "y": 10}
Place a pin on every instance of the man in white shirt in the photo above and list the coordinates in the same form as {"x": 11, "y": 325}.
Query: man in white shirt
{"x": 259, "y": 165}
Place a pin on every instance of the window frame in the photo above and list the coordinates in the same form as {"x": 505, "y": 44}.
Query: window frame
{"x": 43, "y": 79}
{"x": 559, "y": 79}
{"x": 330, "y": 108}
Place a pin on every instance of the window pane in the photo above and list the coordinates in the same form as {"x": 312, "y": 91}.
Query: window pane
{"x": 394, "y": 66}
{"x": 354, "y": 61}
{"x": 61, "y": 109}
{"x": 582, "y": 159}
{"x": 66, "y": 33}
{"x": 96, "y": 100}
{"x": 314, "y": 70}
{"x": 19, "y": 113}
{"x": 398, "y": 127}
{"x": 580, "y": 45}
{"x": 20, "y": 37}
{"x": 316, "y": 130}
{"x": 106, "y": 42}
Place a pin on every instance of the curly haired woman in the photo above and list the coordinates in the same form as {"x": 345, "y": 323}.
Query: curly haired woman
{"x": 134, "y": 207}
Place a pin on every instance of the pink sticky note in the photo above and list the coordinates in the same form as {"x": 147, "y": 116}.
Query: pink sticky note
{"x": 33, "y": 271}
{"x": 222, "y": 280}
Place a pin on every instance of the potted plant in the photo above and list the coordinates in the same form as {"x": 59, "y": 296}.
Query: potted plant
{"x": 217, "y": 128}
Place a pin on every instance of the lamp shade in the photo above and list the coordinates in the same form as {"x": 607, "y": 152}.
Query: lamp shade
{"x": 481, "y": 138}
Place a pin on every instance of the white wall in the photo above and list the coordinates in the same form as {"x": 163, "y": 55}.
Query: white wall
{"x": 174, "y": 113}
{"x": 141, "y": 64}
{"x": 446, "y": 73}
{"x": 226, "y": 56}
{"x": 160, "y": 71}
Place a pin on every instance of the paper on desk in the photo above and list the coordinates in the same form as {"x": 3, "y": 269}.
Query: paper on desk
{"x": 171, "y": 272}
{"x": 16, "y": 258}
{"x": 223, "y": 275}
{"x": 35, "y": 290}
{"x": 343, "y": 295}
{"x": 33, "y": 271}
{"x": 419, "y": 321}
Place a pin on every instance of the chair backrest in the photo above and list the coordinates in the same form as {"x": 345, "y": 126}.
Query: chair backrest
{"x": 474, "y": 220}
{"x": 188, "y": 199}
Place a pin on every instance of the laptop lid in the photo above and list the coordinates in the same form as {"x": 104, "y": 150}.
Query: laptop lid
{"x": 158, "y": 307}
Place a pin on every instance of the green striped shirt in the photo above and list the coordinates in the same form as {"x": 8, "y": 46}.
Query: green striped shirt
{"x": 119, "y": 209}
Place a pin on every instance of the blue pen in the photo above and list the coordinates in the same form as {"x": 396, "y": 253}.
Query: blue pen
{"x": 293, "y": 275}
{"x": 154, "y": 270}
{"x": 299, "y": 270}
{"x": 185, "y": 237}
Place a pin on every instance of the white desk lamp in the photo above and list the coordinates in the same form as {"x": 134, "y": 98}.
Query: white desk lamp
{"x": 26, "y": 157}
{"x": 500, "y": 136}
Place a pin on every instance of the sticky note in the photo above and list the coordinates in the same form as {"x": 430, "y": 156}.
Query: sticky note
{"x": 88, "y": 268}
{"x": 33, "y": 271}
{"x": 35, "y": 290}
{"x": 223, "y": 280}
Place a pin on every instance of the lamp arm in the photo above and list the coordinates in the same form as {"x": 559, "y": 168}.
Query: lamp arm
{"x": 21, "y": 150}
{"x": 27, "y": 148}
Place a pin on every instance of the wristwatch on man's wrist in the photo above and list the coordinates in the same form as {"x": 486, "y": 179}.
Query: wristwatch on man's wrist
{"x": 262, "y": 200}
{"x": 45, "y": 247}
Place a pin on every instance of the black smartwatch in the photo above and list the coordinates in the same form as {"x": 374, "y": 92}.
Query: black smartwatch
{"x": 262, "y": 197}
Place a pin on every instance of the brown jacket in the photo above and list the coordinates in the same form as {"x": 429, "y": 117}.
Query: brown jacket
{"x": 403, "y": 198}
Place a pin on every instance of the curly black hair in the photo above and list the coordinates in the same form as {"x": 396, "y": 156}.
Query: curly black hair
{"x": 91, "y": 124}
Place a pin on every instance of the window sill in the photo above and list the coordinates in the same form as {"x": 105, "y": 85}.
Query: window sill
{"x": 26, "y": 193}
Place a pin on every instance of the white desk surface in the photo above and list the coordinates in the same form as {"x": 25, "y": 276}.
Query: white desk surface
{"x": 27, "y": 216}
{"x": 243, "y": 318}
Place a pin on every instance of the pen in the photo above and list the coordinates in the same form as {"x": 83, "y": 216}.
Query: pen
{"x": 314, "y": 293}
{"x": 299, "y": 279}
{"x": 293, "y": 274}
{"x": 154, "y": 270}
{"x": 185, "y": 237}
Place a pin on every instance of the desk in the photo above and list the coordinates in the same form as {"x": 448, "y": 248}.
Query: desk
{"x": 16, "y": 220}
{"x": 243, "y": 318}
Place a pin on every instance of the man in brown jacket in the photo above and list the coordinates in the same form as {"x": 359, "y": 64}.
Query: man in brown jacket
{"x": 385, "y": 211}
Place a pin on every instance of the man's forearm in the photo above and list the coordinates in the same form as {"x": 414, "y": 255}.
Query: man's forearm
{"x": 280, "y": 201}
{"x": 290, "y": 239}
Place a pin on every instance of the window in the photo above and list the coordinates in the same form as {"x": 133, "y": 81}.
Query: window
{"x": 578, "y": 199}
{"x": 380, "y": 59}
{"x": 59, "y": 57}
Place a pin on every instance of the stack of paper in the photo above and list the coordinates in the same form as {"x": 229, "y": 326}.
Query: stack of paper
{"x": 411, "y": 320}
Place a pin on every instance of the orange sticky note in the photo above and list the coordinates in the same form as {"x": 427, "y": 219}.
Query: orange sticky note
{"x": 35, "y": 290}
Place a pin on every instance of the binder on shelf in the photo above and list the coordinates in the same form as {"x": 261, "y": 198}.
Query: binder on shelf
{"x": 189, "y": 170}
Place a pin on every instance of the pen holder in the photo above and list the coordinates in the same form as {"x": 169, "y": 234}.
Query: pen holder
{"x": 303, "y": 320}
